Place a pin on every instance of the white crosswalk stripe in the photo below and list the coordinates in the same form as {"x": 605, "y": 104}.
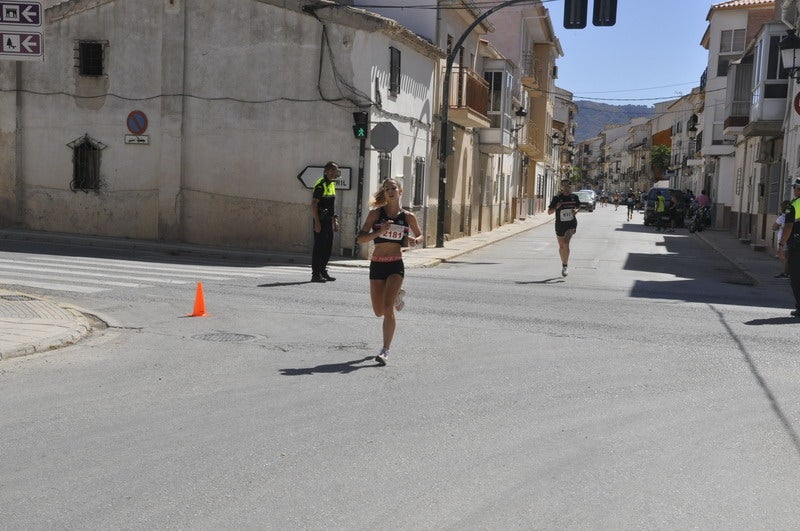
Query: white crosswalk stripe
{"x": 93, "y": 275}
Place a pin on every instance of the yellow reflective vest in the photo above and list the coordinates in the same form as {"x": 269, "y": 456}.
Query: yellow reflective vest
{"x": 660, "y": 206}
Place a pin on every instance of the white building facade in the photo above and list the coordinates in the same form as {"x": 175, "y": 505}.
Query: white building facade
{"x": 239, "y": 97}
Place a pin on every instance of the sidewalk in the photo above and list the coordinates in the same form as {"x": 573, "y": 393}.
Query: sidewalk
{"x": 433, "y": 256}
{"x": 758, "y": 266}
{"x": 30, "y": 324}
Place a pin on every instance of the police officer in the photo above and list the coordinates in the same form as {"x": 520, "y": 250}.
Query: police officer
{"x": 789, "y": 246}
{"x": 660, "y": 208}
{"x": 326, "y": 222}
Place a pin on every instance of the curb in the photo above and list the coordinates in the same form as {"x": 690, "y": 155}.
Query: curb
{"x": 77, "y": 329}
{"x": 414, "y": 258}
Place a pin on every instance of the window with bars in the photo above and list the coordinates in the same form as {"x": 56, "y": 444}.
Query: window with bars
{"x": 419, "y": 181}
{"x": 384, "y": 166}
{"x": 86, "y": 164}
{"x": 90, "y": 58}
{"x": 394, "y": 71}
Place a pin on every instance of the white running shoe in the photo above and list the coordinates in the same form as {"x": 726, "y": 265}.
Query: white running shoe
{"x": 399, "y": 303}
{"x": 382, "y": 357}
{"x": 564, "y": 271}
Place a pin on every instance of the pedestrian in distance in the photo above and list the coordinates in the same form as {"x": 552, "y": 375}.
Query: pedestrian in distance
{"x": 565, "y": 206}
{"x": 630, "y": 201}
{"x": 388, "y": 227}
{"x": 326, "y": 222}
{"x": 777, "y": 227}
{"x": 789, "y": 246}
{"x": 688, "y": 199}
{"x": 660, "y": 208}
{"x": 703, "y": 200}
{"x": 674, "y": 211}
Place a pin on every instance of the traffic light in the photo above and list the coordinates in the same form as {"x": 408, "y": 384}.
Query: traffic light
{"x": 575, "y": 13}
{"x": 360, "y": 124}
{"x": 604, "y": 13}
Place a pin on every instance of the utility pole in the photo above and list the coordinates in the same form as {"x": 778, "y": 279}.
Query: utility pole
{"x": 360, "y": 131}
{"x": 443, "y": 145}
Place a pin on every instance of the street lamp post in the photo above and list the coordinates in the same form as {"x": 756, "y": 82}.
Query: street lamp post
{"x": 520, "y": 117}
{"x": 790, "y": 53}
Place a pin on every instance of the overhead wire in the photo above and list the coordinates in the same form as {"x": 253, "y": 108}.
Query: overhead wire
{"x": 491, "y": 4}
{"x": 361, "y": 99}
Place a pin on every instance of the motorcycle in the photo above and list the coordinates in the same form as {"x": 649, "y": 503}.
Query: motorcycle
{"x": 700, "y": 218}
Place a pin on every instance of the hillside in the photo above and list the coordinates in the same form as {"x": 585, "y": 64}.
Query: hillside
{"x": 593, "y": 116}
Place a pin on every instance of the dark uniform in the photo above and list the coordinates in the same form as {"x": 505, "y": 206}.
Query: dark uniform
{"x": 792, "y": 213}
{"x": 325, "y": 193}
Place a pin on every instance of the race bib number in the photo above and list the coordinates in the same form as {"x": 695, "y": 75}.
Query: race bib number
{"x": 566, "y": 215}
{"x": 395, "y": 232}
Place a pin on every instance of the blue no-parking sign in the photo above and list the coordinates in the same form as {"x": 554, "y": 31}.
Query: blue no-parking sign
{"x": 137, "y": 122}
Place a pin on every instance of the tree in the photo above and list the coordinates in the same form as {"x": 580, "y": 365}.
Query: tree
{"x": 659, "y": 158}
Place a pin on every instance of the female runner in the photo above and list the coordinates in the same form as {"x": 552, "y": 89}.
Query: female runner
{"x": 387, "y": 226}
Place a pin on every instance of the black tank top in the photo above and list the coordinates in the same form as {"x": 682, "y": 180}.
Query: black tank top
{"x": 397, "y": 233}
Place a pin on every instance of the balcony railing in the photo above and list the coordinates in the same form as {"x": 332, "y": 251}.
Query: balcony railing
{"x": 528, "y": 71}
{"x": 468, "y": 90}
{"x": 737, "y": 114}
{"x": 531, "y": 141}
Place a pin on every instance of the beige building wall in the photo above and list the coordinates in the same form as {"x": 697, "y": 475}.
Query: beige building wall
{"x": 237, "y": 107}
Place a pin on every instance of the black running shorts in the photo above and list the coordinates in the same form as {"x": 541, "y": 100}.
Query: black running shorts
{"x": 382, "y": 270}
{"x": 562, "y": 228}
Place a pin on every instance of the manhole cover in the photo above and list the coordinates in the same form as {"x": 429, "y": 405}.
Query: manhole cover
{"x": 224, "y": 337}
{"x": 17, "y": 298}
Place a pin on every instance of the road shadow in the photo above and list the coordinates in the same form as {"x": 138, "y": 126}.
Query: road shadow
{"x": 701, "y": 275}
{"x": 330, "y": 368}
{"x": 554, "y": 280}
{"x": 464, "y": 262}
{"x": 773, "y": 321}
{"x": 638, "y": 226}
{"x": 279, "y": 284}
{"x": 635, "y": 226}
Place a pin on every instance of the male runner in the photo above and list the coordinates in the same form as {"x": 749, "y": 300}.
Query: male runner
{"x": 565, "y": 205}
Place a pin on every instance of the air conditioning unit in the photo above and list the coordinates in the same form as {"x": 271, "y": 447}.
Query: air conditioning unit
{"x": 764, "y": 154}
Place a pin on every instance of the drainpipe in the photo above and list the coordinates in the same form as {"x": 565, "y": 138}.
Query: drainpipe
{"x": 786, "y": 6}
{"x": 19, "y": 181}
{"x": 741, "y": 194}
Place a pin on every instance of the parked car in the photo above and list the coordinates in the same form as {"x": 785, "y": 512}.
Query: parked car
{"x": 594, "y": 194}
{"x": 587, "y": 200}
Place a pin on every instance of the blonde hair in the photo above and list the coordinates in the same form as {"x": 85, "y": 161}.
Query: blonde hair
{"x": 379, "y": 198}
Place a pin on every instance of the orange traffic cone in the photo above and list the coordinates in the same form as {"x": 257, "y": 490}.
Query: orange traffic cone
{"x": 199, "y": 303}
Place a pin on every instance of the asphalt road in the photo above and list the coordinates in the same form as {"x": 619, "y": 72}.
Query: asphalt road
{"x": 649, "y": 389}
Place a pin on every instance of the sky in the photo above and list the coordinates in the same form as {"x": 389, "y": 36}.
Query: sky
{"x": 651, "y": 54}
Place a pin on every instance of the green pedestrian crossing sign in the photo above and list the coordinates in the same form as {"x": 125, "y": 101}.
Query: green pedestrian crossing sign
{"x": 360, "y": 124}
